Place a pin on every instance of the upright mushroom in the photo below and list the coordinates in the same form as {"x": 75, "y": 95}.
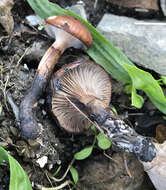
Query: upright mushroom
{"x": 69, "y": 32}
{"x": 80, "y": 96}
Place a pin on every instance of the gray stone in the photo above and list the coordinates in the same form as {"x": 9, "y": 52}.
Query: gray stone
{"x": 141, "y": 41}
{"x": 156, "y": 168}
{"x": 34, "y": 20}
{"x": 78, "y": 9}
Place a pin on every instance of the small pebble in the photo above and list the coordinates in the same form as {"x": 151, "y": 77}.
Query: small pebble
{"x": 34, "y": 20}
{"x": 59, "y": 162}
{"x": 26, "y": 67}
{"x": 42, "y": 161}
{"x": 141, "y": 10}
{"x": 42, "y": 101}
{"x": 14, "y": 131}
{"x": 44, "y": 112}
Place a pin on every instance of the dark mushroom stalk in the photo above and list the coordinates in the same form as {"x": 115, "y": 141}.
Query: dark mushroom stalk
{"x": 81, "y": 96}
{"x": 69, "y": 32}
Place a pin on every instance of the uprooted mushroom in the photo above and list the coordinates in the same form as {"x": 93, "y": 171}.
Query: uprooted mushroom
{"x": 81, "y": 92}
{"x": 80, "y": 96}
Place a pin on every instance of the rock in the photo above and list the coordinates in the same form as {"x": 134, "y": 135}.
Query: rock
{"x": 42, "y": 161}
{"x": 142, "y": 42}
{"x": 163, "y": 6}
{"x": 148, "y": 4}
{"x": 156, "y": 169}
{"x": 78, "y": 9}
{"x": 103, "y": 173}
{"x": 34, "y": 20}
{"x": 14, "y": 131}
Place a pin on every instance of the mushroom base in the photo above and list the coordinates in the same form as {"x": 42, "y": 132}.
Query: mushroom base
{"x": 28, "y": 124}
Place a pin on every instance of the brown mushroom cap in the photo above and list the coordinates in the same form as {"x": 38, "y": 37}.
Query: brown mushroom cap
{"x": 72, "y": 26}
{"x": 83, "y": 84}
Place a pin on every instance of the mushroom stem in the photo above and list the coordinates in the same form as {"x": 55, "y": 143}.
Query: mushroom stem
{"x": 127, "y": 139}
{"x": 28, "y": 124}
{"x": 120, "y": 134}
{"x": 49, "y": 60}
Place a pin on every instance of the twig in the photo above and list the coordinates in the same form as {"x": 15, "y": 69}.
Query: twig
{"x": 13, "y": 105}
{"x": 48, "y": 178}
{"x": 68, "y": 182}
{"x": 126, "y": 166}
{"x": 95, "y": 4}
{"x": 111, "y": 158}
{"x": 94, "y": 123}
{"x": 4, "y": 91}
{"x": 136, "y": 114}
{"x": 18, "y": 62}
{"x": 62, "y": 178}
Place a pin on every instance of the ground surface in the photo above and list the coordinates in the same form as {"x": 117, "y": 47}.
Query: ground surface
{"x": 16, "y": 76}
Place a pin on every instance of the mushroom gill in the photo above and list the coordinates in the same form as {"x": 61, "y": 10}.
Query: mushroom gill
{"x": 82, "y": 84}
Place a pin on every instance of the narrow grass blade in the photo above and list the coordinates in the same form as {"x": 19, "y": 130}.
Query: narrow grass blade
{"x": 18, "y": 178}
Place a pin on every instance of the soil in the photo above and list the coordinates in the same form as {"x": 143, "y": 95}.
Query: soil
{"x": 16, "y": 76}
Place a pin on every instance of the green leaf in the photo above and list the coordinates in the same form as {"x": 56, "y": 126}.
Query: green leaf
{"x": 137, "y": 100}
{"x": 109, "y": 57}
{"x": 142, "y": 80}
{"x": 163, "y": 78}
{"x": 93, "y": 128}
{"x": 57, "y": 171}
{"x": 103, "y": 141}
{"x": 18, "y": 178}
{"x": 113, "y": 109}
{"x": 164, "y": 117}
{"x": 128, "y": 89}
{"x": 40, "y": 27}
{"x": 74, "y": 174}
{"x": 84, "y": 153}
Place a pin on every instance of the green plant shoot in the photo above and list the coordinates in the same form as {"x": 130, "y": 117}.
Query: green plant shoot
{"x": 74, "y": 174}
{"x": 103, "y": 142}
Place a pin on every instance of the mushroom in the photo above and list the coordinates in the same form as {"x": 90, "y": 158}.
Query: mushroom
{"x": 81, "y": 94}
{"x": 69, "y": 32}
{"x": 83, "y": 83}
